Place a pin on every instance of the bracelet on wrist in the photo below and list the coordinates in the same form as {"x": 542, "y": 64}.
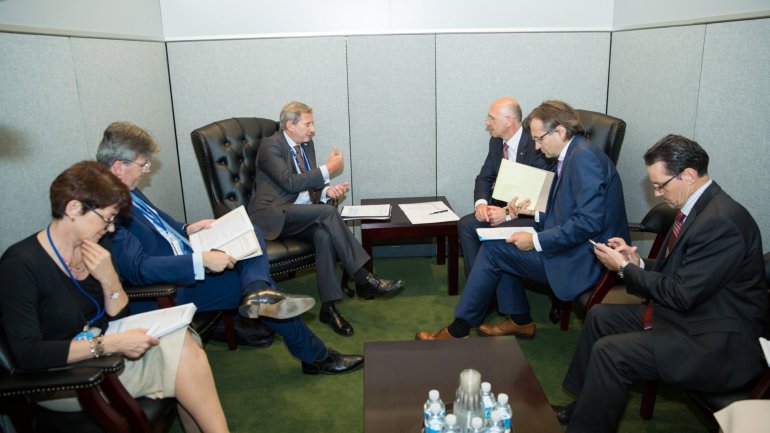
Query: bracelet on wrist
{"x": 96, "y": 346}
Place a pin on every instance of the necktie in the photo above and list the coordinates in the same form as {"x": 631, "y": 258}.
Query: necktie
{"x": 647, "y": 314}
{"x": 300, "y": 159}
{"x": 505, "y": 150}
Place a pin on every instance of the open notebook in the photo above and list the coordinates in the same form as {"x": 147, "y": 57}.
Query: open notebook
{"x": 158, "y": 323}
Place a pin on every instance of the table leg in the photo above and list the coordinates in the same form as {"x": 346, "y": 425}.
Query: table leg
{"x": 440, "y": 250}
{"x": 453, "y": 268}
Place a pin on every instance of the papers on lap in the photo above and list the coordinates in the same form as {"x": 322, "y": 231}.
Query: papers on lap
{"x": 366, "y": 212}
{"x": 523, "y": 181}
{"x": 158, "y": 323}
{"x": 231, "y": 233}
{"x": 429, "y": 212}
{"x": 500, "y": 233}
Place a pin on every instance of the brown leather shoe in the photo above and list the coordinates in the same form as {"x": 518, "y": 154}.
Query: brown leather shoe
{"x": 442, "y": 334}
{"x": 508, "y": 327}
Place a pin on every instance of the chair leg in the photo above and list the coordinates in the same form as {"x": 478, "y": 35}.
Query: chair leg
{"x": 649, "y": 393}
{"x": 566, "y": 307}
{"x": 227, "y": 317}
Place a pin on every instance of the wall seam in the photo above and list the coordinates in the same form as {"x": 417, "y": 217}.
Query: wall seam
{"x": 700, "y": 82}
{"x": 176, "y": 136}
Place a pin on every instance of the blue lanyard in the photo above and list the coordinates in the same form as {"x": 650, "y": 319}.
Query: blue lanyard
{"x": 99, "y": 310}
{"x": 304, "y": 157}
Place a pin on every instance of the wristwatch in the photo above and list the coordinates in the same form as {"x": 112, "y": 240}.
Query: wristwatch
{"x": 622, "y": 268}
{"x": 508, "y": 216}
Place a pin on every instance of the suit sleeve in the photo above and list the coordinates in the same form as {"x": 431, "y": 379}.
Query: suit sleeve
{"x": 271, "y": 159}
{"x": 711, "y": 258}
{"x": 140, "y": 267}
{"x": 585, "y": 188}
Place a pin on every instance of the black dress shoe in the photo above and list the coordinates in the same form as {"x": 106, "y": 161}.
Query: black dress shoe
{"x": 333, "y": 318}
{"x": 564, "y": 413}
{"x": 334, "y": 363}
{"x": 275, "y": 304}
{"x": 376, "y": 286}
{"x": 347, "y": 290}
{"x": 555, "y": 313}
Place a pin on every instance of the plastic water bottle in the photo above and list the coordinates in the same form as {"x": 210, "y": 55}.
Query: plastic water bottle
{"x": 433, "y": 397}
{"x": 477, "y": 425}
{"x": 488, "y": 399}
{"x": 495, "y": 425}
{"x": 451, "y": 424}
{"x": 436, "y": 421}
{"x": 504, "y": 408}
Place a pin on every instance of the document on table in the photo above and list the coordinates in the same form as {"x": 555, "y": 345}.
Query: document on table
{"x": 500, "y": 233}
{"x": 523, "y": 181}
{"x": 366, "y": 212}
{"x": 232, "y": 233}
{"x": 428, "y": 212}
{"x": 157, "y": 322}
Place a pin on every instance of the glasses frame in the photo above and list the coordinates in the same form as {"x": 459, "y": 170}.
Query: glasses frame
{"x": 537, "y": 140}
{"x": 107, "y": 222}
{"x": 146, "y": 166}
{"x": 663, "y": 185}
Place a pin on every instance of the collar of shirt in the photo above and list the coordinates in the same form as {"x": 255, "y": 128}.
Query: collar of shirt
{"x": 694, "y": 198}
{"x": 513, "y": 144}
{"x": 564, "y": 151}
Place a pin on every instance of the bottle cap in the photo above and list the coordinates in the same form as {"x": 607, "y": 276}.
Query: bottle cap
{"x": 495, "y": 416}
{"x": 486, "y": 386}
{"x": 502, "y": 398}
{"x": 451, "y": 419}
{"x": 435, "y": 408}
{"x": 433, "y": 394}
{"x": 476, "y": 422}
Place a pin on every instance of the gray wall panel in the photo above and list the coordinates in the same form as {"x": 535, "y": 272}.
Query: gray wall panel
{"x": 474, "y": 69}
{"x": 654, "y": 88}
{"x": 216, "y": 80}
{"x": 123, "y": 80}
{"x": 732, "y": 114}
{"x": 392, "y": 116}
{"x": 41, "y": 132}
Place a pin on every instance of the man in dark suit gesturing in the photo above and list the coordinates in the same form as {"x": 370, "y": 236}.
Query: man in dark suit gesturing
{"x": 290, "y": 190}
{"x": 509, "y": 140}
{"x": 707, "y": 299}
{"x": 585, "y": 202}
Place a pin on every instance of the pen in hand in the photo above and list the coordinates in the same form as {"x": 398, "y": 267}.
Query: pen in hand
{"x": 439, "y": 211}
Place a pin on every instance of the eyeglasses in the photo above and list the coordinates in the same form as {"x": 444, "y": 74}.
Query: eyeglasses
{"x": 146, "y": 166}
{"x": 108, "y": 222}
{"x": 539, "y": 139}
{"x": 663, "y": 185}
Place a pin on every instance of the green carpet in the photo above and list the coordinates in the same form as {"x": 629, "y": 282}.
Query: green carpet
{"x": 264, "y": 390}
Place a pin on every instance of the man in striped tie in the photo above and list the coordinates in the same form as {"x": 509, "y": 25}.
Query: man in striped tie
{"x": 707, "y": 300}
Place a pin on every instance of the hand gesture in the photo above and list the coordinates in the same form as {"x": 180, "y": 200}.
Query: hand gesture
{"x": 520, "y": 207}
{"x": 337, "y": 191}
{"x": 615, "y": 252}
{"x": 335, "y": 161}
{"x": 495, "y": 215}
{"x": 522, "y": 240}
{"x": 481, "y": 213}
{"x": 217, "y": 261}
{"x": 98, "y": 261}
{"x": 199, "y": 225}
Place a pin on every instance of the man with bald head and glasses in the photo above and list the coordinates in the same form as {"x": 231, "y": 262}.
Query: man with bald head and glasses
{"x": 585, "y": 203}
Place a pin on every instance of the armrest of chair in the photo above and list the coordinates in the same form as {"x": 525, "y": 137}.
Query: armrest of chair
{"x": 149, "y": 292}
{"x": 32, "y": 382}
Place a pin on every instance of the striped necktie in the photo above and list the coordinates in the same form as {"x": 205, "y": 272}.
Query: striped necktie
{"x": 505, "y": 150}
{"x": 647, "y": 314}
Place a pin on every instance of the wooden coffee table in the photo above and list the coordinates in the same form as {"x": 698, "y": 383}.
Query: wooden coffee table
{"x": 399, "y": 374}
{"x": 399, "y": 227}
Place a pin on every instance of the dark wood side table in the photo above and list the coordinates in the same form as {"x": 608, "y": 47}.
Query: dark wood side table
{"x": 399, "y": 374}
{"x": 399, "y": 227}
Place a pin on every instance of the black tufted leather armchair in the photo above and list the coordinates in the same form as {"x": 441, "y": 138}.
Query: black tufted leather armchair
{"x": 605, "y": 131}
{"x": 107, "y": 405}
{"x": 226, "y": 151}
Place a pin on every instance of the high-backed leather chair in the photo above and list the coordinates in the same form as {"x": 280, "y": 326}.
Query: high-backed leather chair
{"x": 107, "y": 405}
{"x": 226, "y": 151}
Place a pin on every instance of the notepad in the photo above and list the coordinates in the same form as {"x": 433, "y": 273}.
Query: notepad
{"x": 158, "y": 322}
{"x": 523, "y": 181}
{"x": 231, "y": 233}
{"x": 500, "y": 233}
{"x": 366, "y": 212}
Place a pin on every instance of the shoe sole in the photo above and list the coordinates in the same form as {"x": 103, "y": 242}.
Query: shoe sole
{"x": 285, "y": 309}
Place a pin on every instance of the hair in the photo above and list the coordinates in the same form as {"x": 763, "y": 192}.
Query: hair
{"x": 678, "y": 153}
{"x": 555, "y": 113}
{"x": 292, "y": 111}
{"x": 124, "y": 141}
{"x": 93, "y": 185}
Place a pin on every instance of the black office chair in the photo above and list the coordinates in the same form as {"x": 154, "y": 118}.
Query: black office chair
{"x": 107, "y": 406}
{"x": 226, "y": 151}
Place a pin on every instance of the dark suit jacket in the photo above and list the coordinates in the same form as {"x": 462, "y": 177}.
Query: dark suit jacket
{"x": 710, "y": 297}
{"x": 277, "y": 183}
{"x": 585, "y": 202}
{"x": 525, "y": 154}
